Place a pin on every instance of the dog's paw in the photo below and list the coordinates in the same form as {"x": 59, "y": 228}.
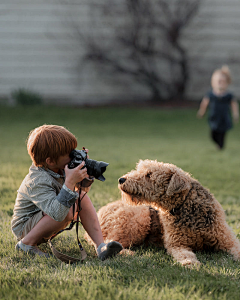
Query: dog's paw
{"x": 190, "y": 263}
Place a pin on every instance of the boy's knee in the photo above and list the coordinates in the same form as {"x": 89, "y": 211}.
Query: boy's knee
{"x": 69, "y": 216}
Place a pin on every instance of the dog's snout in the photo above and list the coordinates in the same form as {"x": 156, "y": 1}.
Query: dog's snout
{"x": 121, "y": 180}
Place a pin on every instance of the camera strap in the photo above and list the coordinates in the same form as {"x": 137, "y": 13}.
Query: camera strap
{"x": 63, "y": 257}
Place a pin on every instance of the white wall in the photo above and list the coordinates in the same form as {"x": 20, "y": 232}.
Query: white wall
{"x": 39, "y": 51}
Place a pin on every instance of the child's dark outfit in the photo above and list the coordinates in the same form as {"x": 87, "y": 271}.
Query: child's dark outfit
{"x": 219, "y": 116}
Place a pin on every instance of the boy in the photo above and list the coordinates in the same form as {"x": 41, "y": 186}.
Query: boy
{"x": 46, "y": 196}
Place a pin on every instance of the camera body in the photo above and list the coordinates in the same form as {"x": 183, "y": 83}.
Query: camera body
{"x": 94, "y": 168}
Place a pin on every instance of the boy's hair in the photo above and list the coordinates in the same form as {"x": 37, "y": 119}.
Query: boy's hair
{"x": 49, "y": 141}
{"x": 224, "y": 71}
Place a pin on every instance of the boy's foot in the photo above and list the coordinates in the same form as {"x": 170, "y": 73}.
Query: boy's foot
{"x": 30, "y": 249}
{"x": 105, "y": 251}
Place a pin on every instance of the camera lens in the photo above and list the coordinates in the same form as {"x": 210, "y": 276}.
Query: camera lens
{"x": 96, "y": 168}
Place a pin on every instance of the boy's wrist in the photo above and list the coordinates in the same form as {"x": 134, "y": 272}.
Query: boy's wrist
{"x": 72, "y": 192}
{"x": 67, "y": 197}
{"x": 69, "y": 185}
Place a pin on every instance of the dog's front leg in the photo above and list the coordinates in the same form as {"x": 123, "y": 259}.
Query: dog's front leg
{"x": 184, "y": 256}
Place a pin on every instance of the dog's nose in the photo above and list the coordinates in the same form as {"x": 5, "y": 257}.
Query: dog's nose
{"x": 121, "y": 180}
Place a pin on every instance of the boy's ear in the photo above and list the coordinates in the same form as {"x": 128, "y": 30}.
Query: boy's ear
{"x": 49, "y": 161}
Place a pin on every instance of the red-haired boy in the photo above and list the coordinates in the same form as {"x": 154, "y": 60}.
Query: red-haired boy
{"x": 47, "y": 194}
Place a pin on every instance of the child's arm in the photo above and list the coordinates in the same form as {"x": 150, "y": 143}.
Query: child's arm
{"x": 75, "y": 175}
{"x": 203, "y": 107}
{"x": 43, "y": 192}
{"x": 235, "y": 110}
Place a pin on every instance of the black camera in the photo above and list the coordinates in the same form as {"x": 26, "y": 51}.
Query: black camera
{"x": 94, "y": 168}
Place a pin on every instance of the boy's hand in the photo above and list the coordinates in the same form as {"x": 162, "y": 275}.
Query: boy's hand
{"x": 87, "y": 152}
{"x": 75, "y": 175}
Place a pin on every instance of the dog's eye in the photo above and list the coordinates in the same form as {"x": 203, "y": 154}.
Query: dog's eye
{"x": 149, "y": 174}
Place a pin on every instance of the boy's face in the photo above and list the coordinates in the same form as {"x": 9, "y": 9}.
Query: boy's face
{"x": 63, "y": 160}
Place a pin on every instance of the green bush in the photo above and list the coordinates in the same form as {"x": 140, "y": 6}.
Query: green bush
{"x": 23, "y": 96}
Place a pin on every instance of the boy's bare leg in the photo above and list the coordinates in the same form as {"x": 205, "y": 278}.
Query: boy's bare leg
{"x": 43, "y": 230}
{"x": 46, "y": 227}
{"x": 89, "y": 220}
{"x": 91, "y": 224}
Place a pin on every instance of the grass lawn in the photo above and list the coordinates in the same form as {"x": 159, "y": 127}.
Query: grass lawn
{"x": 120, "y": 137}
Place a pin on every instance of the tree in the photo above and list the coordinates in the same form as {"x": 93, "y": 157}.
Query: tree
{"x": 142, "y": 39}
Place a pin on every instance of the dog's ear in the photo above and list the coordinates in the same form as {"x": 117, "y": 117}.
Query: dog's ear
{"x": 178, "y": 183}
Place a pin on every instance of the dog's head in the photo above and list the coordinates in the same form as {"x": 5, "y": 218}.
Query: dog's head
{"x": 156, "y": 183}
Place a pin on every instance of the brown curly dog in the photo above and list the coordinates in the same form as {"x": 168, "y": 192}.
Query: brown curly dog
{"x": 189, "y": 217}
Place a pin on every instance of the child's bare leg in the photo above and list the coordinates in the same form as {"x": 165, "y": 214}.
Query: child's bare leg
{"x": 91, "y": 224}
{"x": 47, "y": 226}
{"x": 44, "y": 229}
{"x": 90, "y": 221}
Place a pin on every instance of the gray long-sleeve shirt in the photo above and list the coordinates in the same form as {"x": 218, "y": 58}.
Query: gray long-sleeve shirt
{"x": 41, "y": 190}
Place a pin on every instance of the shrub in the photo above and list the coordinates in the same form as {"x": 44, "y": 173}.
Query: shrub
{"x": 23, "y": 96}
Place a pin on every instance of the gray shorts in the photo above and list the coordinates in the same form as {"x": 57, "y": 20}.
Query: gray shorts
{"x": 32, "y": 222}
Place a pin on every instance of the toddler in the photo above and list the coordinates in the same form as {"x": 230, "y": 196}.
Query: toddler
{"x": 219, "y": 100}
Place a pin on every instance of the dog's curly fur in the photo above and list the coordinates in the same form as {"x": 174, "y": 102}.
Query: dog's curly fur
{"x": 129, "y": 225}
{"x": 189, "y": 217}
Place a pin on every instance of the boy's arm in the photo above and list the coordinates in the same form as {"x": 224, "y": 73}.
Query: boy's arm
{"x": 55, "y": 206}
{"x": 235, "y": 110}
{"x": 203, "y": 107}
{"x": 43, "y": 193}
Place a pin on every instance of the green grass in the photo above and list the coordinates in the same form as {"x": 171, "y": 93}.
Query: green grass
{"x": 121, "y": 137}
